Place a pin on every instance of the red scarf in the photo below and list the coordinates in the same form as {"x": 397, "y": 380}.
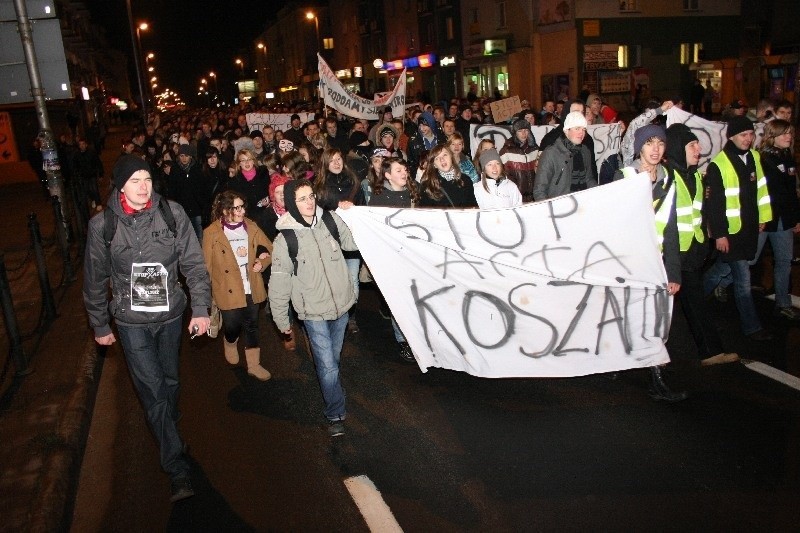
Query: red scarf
{"x": 128, "y": 210}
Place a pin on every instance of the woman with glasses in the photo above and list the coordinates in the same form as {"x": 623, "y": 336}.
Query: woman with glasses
{"x": 251, "y": 181}
{"x": 236, "y": 251}
{"x": 443, "y": 184}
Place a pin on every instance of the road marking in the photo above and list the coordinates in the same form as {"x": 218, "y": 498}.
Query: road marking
{"x": 369, "y": 501}
{"x": 774, "y": 373}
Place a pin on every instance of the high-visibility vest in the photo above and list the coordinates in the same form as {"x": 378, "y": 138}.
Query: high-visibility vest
{"x": 730, "y": 181}
{"x": 689, "y": 211}
{"x": 662, "y": 214}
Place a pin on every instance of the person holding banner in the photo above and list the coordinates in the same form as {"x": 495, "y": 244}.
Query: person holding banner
{"x": 319, "y": 288}
{"x": 650, "y": 145}
{"x": 738, "y": 208}
{"x": 443, "y": 184}
{"x": 519, "y": 155}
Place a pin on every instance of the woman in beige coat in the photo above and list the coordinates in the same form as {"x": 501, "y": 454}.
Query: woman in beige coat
{"x": 235, "y": 248}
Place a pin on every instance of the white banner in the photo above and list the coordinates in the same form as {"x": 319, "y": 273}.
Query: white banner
{"x": 339, "y": 98}
{"x": 710, "y": 134}
{"x": 607, "y": 137}
{"x": 279, "y": 121}
{"x": 567, "y": 287}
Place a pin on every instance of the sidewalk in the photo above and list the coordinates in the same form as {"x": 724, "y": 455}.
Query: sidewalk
{"x": 43, "y": 426}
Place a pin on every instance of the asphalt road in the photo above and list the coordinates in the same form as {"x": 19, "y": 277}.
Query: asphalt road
{"x": 450, "y": 452}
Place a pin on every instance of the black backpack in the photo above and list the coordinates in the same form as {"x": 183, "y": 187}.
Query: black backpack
{"x": 291, "y": 237}
{"x": 110, "y": 220}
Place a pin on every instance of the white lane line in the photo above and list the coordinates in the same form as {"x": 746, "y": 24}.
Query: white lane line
{"x": 771, "y": 372}
{"x": 369, "y": 501}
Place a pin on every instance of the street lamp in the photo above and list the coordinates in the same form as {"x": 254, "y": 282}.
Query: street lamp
{"x": 241, "y": 65}
{"x": 311, "y": 15}
{"x": 137, "y": 47}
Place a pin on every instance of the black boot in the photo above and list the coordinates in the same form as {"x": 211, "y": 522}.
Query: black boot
{"x": 659, "y": 390}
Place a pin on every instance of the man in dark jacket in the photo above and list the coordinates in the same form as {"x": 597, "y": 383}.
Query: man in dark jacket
{"x": 428, "y": 135}
{"x": 141, "y": 264}
{"x": 188, "y": 187}
{"x": 738, "y": 207}
{"x": 87, "y": 169}
{"x": 519, "y": 155}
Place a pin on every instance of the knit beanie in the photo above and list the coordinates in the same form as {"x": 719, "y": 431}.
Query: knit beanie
{"x": 291, "y": 204}
{"x": 575, "y": 119}
{"x": 489, "y": 155}
{"x": 644, "y": 133}
{"x": 357, "y": 138}
{"x": 737, "y": 125}
{"x": 186, "y": 149}
{"x": 125, "y": 167}
{"x": 678, "y": 136}
{"x": 276, "y": 181}
{"x": 520, "y": 124}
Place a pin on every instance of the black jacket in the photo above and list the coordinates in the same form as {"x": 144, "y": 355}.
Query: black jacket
{"x": 781, "y": 171}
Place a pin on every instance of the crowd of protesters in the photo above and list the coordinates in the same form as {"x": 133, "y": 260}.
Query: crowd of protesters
{"x": 259, "y": 204}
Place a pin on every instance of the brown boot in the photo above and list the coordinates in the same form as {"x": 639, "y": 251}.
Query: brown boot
{"x": 288, "y": 342}
{"x": 231, "y": 351}
{"x": 254, "y": 368}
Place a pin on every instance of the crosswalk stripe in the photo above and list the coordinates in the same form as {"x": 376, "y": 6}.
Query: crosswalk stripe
{"x": 773, "y": 373}
{"x": 370, "y": 503}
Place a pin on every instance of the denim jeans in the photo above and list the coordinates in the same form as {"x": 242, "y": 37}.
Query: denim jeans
{"x": 782, "y": 242}
{"x": 742, "y": 295}
{"x": 152, "y": 354}
{"x": 327, "y": 337}
{"x": 197, "y": 224}
{"x": 398, "y": 333}
{"x": 353, "y": 266}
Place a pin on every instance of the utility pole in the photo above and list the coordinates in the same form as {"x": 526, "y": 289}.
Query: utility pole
{"x": 49, "y": 153}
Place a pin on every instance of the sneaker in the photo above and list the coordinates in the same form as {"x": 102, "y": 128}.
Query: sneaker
{"x": 181, "y": 489}
{"x": 788, "y": 313}
{"x": 721, "y": 293}
{"x": 336, "y": 428}
{"x": 406, "y": 354}
{"x": 760, "y": 336}
{"x": 352, "y": 325}
{"x": 720, "y": 359}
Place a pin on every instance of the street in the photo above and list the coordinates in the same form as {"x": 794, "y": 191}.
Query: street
{"x": 451, "y": 452}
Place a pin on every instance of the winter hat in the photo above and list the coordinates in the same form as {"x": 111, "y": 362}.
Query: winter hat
{"x": 647, "y": 132}
{"x": 591, "y": 98}
{"x": 426, "y": 118}
{"x": 520, "y": 124}
{"x": 256, "y": 133}
{"x": 125, "y": 167}
{"x": 276, "y": 181}
{"x": 489, "y": 155}
{"x": 185, "y": 149}
{"x": 575, "y": 120}
{"x": 288, "y": 197}
{"x": 357, "y": 138}
{"x": 737, "y": 125}
{"x": 678, "y": 136}
{"x": 387, "y": 130}
{"x": 381, "y": 152}
{"x": 294, "y": 116}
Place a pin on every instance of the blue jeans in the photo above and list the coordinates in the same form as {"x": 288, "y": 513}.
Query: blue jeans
{"x": 353, "y": 266}
{"x": 152, "y": 354}
{"x": 197, "y": 224}
{"x": 742, "y": 295}
{"x": 782, "y": 242}
{"x": 398, "y": 333}
{"x": 327, "y": 337}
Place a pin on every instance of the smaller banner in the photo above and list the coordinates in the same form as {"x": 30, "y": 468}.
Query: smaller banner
{"x": 607, "y": 137}
{"x": 503, "y": 110}
{"x": 339, "y": 98}
{"x": 279, "y": 121}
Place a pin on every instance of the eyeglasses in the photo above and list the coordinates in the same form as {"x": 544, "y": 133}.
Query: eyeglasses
{"x": 304, "y": 199}
{"x": 238, "y": 208}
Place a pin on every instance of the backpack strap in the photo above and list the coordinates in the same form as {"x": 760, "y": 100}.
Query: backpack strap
{"x": 110, "y": 220}
{"x": 169, "y": 217}
{"x": 330, "y": 223}
{"x": 291, "y": 243}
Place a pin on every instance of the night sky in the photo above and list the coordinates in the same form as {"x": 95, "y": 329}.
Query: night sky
{"x": 190, "y": 38}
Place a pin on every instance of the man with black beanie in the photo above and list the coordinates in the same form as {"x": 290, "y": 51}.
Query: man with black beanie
{"x": 738, "y": 207}
{"x": 152, "y": 242}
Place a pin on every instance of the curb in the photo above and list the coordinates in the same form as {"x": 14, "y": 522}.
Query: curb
{"x": 51, "y": 508}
